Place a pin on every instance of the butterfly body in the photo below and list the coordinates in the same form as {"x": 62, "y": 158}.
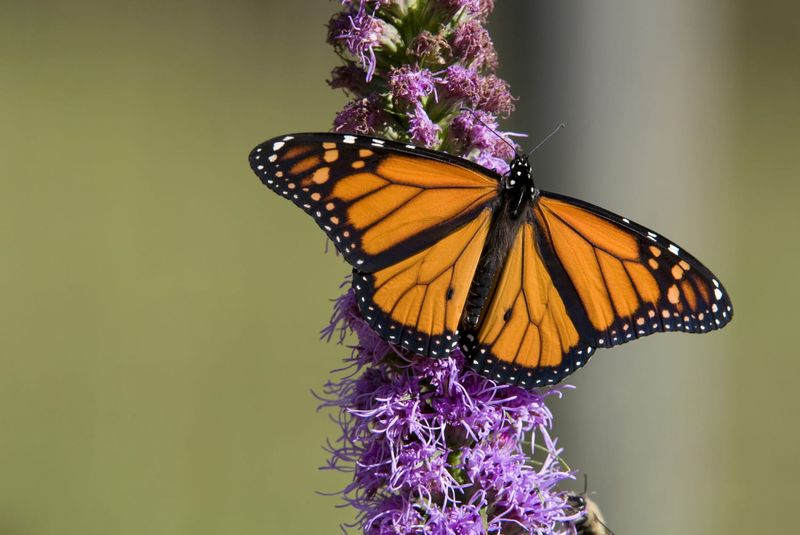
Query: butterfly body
{"x": 448, "y": 254}
{"x": 520, "y": 185}
{"x": 498, "y": 243}
{"x": 516, "y": 196}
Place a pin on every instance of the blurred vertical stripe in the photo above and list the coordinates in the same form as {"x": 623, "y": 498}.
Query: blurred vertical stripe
{"x": 161, "y": 309}
{"x": 684, "y": 117}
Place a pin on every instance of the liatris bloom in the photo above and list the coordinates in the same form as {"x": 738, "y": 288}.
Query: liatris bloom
{"x": 436, "y": 448}
{"x": 433, "y": 447}
{"x": 413, "y": 66}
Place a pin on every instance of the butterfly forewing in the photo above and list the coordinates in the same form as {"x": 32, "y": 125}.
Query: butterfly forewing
{"x": 631, "y": 282}
{"x": 380, "y": 202}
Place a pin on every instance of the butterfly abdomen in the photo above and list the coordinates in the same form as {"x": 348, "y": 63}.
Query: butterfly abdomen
{"x": 501, "y": 236}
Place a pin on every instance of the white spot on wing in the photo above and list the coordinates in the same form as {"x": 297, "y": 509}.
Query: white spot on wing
{"x": 277, "y": 145}
{"x": 673, "y": 249}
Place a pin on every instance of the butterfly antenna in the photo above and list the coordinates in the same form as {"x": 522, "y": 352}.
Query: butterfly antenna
{"x": 551, "y": 134}
{"x": 490, "y": 129}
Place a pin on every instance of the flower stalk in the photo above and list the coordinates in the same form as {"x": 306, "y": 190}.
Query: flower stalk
{"x": 432, "y": 446}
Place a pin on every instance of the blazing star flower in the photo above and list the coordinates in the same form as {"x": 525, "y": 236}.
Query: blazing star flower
{"x": 489, "y": 93}
{"x": 361, "y": 116}
{"x": 360, "y": 33}
{"x": 432, "y": 446}
{"x": 479, "y": 129}
{"x": 479, "y": 9}
{"x": 437, "y": 448}
{"x": 422, "y": 130}
{"x": 471, "y": 42}
{"x": 411, "y": 84}
{"x": 493, "y": 95}
{"x": 429, "y": 48}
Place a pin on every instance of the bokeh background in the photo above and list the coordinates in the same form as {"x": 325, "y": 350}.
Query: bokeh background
{"x": 160, "y": 309}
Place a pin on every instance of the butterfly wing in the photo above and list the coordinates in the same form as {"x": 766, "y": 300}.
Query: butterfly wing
{"x": 418, "y": 302}
{"x": 579, "y": 277}
{"x": 380, "y": 202}
{"x": 411, "y": 222}
{"x": 631, "y": 281}
{"x": 529, "y": 334}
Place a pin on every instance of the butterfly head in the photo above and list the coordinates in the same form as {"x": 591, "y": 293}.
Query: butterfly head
{"x": 520, "y": 172}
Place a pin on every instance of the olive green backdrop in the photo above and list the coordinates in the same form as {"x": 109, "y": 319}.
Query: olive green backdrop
{"x": 160, "y": 308}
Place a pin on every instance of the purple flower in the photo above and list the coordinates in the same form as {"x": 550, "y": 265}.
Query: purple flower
{"x": 489, "y": 93}
{"x": 411, "y": 84}
{"x": 422, "y": 130}
{"x": 479, "y": 9}
{"x": 475, "y": 128}
{"x": 494, "y": 95}
{"x": 479, "y": 129}
{"x": 472, "y": 44}
{"x": 362, "y": 116}
{"x": 361, "y": 33}
{"x": 436, "y": 447}
{"x": 498, "y": 165}
{"x": 429, "y": 48}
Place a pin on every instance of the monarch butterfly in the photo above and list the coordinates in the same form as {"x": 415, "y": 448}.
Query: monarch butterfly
{"x": 447, "y": 254}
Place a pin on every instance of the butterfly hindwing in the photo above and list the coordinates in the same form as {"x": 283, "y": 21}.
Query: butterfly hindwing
{"x": 630, "y": 281}
{"x": 417, "y": 303}
{"x": 380, "y": 202}
{"x": 528, "y": 335}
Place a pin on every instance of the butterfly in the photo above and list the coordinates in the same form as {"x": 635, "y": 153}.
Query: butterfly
{"x": 446, "y": 253}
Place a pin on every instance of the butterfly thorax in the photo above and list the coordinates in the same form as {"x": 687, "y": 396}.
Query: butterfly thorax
{"x": 519, "y": 185}
{"x": 516, "y": 198}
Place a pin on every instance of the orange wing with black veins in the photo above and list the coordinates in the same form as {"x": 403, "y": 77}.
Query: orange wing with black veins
{"x": 412, "y": 223}
{"x": 526, "y": 336}
{"x": 380, "y": 202}
{"x": 630, "y": 281}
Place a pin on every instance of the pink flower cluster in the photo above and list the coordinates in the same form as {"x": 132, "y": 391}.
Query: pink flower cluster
{"x": 413, "y": 66}
{"x": 436, "y": 448}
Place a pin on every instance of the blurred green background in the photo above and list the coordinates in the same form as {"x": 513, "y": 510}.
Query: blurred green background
{"x": 161, "y": 308}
